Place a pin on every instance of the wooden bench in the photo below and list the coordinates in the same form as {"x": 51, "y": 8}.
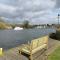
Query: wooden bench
{"x": 35, "y": 46}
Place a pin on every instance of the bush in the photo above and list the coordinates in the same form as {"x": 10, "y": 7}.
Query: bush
{"x": 53, "y": 35}
{"x": 58, "y": 35}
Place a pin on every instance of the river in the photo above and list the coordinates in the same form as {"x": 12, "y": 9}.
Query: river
{"x": 13, "y": 38}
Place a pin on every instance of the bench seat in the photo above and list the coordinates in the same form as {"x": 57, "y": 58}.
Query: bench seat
{"x": 27, "y": 51}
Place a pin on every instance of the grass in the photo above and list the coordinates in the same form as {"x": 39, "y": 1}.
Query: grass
{"x": 55, "y": 55}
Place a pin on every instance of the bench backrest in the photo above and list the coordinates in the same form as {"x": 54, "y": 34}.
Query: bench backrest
{"x": 38, "y": 42}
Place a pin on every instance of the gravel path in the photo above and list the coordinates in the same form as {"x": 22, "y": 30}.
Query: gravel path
{"x": 13, "y": 54}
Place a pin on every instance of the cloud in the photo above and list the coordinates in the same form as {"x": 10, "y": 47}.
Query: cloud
{"x": 7, "y": 10}
{"x": 9, "y": 2}
{"x": 36, "y": 5}
{"x": 57, "y": 4}
{"x": 36, "y": 11}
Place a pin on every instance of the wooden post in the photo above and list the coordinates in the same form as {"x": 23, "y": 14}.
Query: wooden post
{"x": 1, "y": 51}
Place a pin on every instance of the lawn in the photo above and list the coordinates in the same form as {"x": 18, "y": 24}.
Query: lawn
{"x": 55, "y": 55}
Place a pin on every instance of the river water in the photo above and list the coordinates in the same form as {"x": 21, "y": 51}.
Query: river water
{"x": 13, "y": 38}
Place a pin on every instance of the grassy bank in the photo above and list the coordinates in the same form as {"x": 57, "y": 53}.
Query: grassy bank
{"x": 55, "y": 55}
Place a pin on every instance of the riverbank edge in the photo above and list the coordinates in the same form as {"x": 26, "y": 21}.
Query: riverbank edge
{"x": 14, "y": 53}
{"x": 18, "y": 48}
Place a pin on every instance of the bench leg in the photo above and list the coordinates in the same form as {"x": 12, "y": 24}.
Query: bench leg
{"x": 19, "y": 51}
{"x": 30, "y": 57}
{"x": 46, "y": 56}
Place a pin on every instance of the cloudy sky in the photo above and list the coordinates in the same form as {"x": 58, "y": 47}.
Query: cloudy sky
{"x": 36, "y": 11}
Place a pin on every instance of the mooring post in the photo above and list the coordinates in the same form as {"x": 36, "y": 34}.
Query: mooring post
{"x": 1, "y": 51}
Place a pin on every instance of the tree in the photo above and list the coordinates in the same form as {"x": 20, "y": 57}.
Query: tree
{"x": 26, "y": 24}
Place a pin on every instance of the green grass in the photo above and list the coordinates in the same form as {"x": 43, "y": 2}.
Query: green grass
{"x": 55, "y": 55}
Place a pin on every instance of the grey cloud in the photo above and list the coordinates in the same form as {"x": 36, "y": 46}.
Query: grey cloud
{"x": 31, "y": 6}
{"x": 57, "y": 4}
{"x": 35, "y": 5}
{"x": 28, "y": 9}
{"x": 9, "y": 2}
